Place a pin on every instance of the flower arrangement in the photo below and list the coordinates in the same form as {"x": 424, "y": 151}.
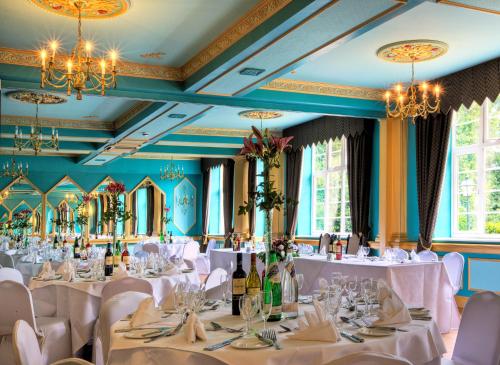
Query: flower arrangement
{"x": 82, "y": 213}
{"x": 22, "y": 219}
{"x": 280, "y": 246}
{"x": 115, "y": 211}
{"x": 166, "y": 219}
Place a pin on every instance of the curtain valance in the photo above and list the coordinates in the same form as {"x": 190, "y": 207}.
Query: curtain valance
{"x": 210, "y": 163}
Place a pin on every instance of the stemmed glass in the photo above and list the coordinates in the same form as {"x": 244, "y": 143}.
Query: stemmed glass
{"x": 353, "y": 288}
{"x": 249, "y": 306}
{"x": 332, "y": 304}
{"x": 300, "y": 280}
{"x": 266, "y": 305}
{"x": 366, "y": 251}
{"x": 225, "y": 284}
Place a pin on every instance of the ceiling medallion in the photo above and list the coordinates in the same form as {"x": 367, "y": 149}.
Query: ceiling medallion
{"x": 412, "y": 51}
{"x": 32, "y": 97}
{"x": 93, "y": 9}
{"x": 260, "y": 114}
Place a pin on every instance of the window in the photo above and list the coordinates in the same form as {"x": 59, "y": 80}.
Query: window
{"x": 476, "y": 170}
{"x": 331, "y": 211}
{"x": 142, "y": 210}
{"x": 216, "y": 216}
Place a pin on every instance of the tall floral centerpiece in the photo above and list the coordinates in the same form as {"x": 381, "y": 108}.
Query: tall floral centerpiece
{"x": 166, "y": 219}
{"x": 82, "y": 212}
{"x": 266, "y": 197}
{"x": 21, "y": 222}
{"x": 115, "y": 211}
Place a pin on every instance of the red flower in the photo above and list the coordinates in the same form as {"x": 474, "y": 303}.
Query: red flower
{"x": 115, "y": 188}
{"x": 167, "y": 209}
{"x": 86, "y": 198}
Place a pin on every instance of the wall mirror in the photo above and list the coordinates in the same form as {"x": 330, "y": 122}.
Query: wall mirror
{"x": 147, "y": 202}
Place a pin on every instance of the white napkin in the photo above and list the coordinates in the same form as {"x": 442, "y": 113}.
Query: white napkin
{"x": 120, "y": 272}
{"x": 46, "y": 268}
{"x": 67, "y": 271}
{"x": 316, "y": 327}
{"x": 194, "y": 329}
{"x": 146, "y": 313}
{"x": 392, "y": 309}
{"x": 414, "y": 257}
{"x": 168, "y": 303}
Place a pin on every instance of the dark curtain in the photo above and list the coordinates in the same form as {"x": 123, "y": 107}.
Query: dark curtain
{"x": 293, "y": 178}
{"x": 205, "y": 206}
{"x": 150, "y": 218}
{"x": 359, "y": 168}
{"x": 432, "y": 136}
{"x": 227, "y": 186}
{"x": 133, "y": 229}
{"x": 252, "y": 186}
{"x": 95, "y": 217}
{"x": 162, "y": 211}
{"x": 101, "y": 202}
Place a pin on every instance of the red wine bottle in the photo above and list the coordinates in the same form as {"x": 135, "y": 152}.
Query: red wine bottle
{"x": 239, "y": 279}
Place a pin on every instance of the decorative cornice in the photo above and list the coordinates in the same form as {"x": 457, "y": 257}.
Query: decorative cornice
{"x": 251, "y": 20}
{"x": 31, "y": 58}
{"x": 57, "y": 123}
{"x": 323, "y": 88}
{"x": 219, "y": 132}
{"x": 461, "y": 4}
{"x": 132, "y": 112}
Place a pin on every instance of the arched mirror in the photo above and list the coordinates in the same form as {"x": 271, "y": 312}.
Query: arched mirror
{"x": 147, "y": 204}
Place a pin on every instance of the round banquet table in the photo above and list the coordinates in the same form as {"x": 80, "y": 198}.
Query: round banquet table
{"x": 222, "y": 258}
{"x": 166, "y": 249}
{"x": 80, "y": 300}
{"x": 422, "y": 344}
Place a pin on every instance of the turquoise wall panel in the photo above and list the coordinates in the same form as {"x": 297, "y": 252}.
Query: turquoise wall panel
{"x": 305, "y": 200}
{"x": 411, "y": 192}
{"x": 185, "y": 205}
{"x": 375, "y": 185}
{"x": 215, "y": 201}
{"x": 484, "y": 274}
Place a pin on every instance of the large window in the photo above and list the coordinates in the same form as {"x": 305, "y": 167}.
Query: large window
{"x": 476, "y": 170}
{"x": 331, "y": 211}
{"x": 216, "y": 216}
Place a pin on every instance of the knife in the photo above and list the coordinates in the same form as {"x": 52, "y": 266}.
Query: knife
{"x": 352, "y": 337}
{"x": 222, "y": 344}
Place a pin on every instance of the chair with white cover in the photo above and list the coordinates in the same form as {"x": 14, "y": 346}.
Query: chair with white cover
{"x": 324, "y": 243}
{"x": 213, "y": 287}
{"x": 191, "y": 252}
{"x": 428, "y": 256}
{"x": 478, "y": 338}
{"x": 125, "y": 284}
{"x": 27, "y": 350}
{"x": 370, "y": 358}
{"x": 151, "y": 248}
{"x": 6, "y": 273}
{"x": 54, "y": 332}
{"x": 6, "y": 260}
{"x": 353, "y": 244}
{"x": 454, "y": 263}
{"x": 203, "y": 259}
{"x": 400, "y": 254}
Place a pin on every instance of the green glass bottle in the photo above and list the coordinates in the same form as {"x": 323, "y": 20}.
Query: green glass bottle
{"x": 272, "y": 283}
{"x": 118, "y": 254}
{"x": 162, "y": 237}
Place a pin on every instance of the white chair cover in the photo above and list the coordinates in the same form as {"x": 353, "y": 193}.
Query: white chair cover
{"x": 370, "y": 358}
{"x": 400, "y": 254}
{"x": 324, "y": 242}
{"x": 478, "y": 339}
{"x": 353, "y": 244}
{"x": 202, "y": 262}
{"x": 191, "y": 252}
{"x": 130, "y": 284}
{"x": 212, "y": 244}
{"x": 6, "y": 260}
{"x": 151, "y": 248}
{"x": 6, "y": 273}
{"x": 213, "y": 284}
{"x": 428, "y": 256}
{"x": 454, "y": 263}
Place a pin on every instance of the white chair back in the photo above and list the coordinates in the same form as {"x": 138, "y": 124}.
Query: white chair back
{"x": 16, "y": 304}
{"x": 399, "y": 254}
{"x": 6, "y": 273}
{"x": 151, "y": 248}
{"x": 370, "y": 358}
{"x": 454, "y": 263}
{"x": 214, "y": 279}
{"x": 324, "y": 243}
{"x": 478, "y": 339}
{"x": 116, "y": 308}
{"x": 191, "y": 251}
{"x": 127, "y": 284}
{"x": 428, "y": 256}
{"x": 6, "y": 260}
{"x": 353, "y": 244}
{"x": 212, "y": 244}
{"x": 25, "y": 343}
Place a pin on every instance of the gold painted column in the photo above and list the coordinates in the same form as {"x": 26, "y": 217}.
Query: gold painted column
{"x": 43, "y": 228}
{"x": 240, "y": 195}
{"x": 128, "y": 223}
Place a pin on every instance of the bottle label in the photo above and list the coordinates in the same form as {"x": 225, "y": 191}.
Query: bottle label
{"x": 126, "y": 260}
{"x": 77, "y": 250}
{"x": 116, "y": 260}
{"x": 253, "y": 291}
{"x": 290, "y": 267}
{"x": 273, "y": 273}
{"x": 239, "y": 286}
{"x": 109, "y": 260}
{"x": 276, "y": 309}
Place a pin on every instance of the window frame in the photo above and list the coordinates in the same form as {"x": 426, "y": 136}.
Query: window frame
{"x": 479, "y": 150}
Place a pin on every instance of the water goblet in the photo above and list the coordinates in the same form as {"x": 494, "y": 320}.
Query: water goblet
{"x": 266, "y": 305}
{"x": 249, "y": 306}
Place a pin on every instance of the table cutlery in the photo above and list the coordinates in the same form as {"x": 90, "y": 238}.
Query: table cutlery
{"x": 350, "y": 321}
{"x": 421, "y": 318}
{"x": 387, "y": 328}
{"x": 124, "y": 330}
{"x": 222, "y": 344}
{"x": 166, "y": 333}
{"x": 217, "y": 327}
{"x": 285, "y": 329}
{"x": 352, "y": 337}
{"x": 263, "y": 339}
{"x": 270, "y": 334}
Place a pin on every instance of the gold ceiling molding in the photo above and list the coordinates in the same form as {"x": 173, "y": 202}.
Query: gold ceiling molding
{"x": 30, "y": 58}
{"x": 324, "y": 88}
{"x": 461, "y": 4}
{"x": 25, "y": 121}
{"x": 161, "y": 156}
{"x": 251, "y": 20}
{"x": 132, "y": 112}
{"x": 60, "y": 153}
{"x": 218, "y": 132}
{"x": 95, "y": 9}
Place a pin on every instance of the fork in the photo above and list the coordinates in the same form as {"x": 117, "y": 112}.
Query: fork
{"x": 270, "y": 334}
{"x": 217, "y": 327}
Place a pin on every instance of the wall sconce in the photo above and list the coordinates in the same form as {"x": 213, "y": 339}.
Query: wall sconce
{"x": 185, "y": 201}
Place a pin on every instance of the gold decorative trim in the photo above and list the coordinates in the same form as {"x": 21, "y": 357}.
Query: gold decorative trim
{"x": 416, "y": 50}
{"x": 58, "y": 123}
{"x": 67, "y": 138}
{"x": 31, "y": 58}
{"x": 218, "y": 132}
{"x": 323, "y": 88}
{"x": 46, "y": 152}
{"x": 95, "y": 9}
{"x": 199, "y": 144}
{"x": 468, "y": 6}
{"x": 36, "y": 97}
{"x": 161, "y": 156}
{"x": 260, "y": 114}
{"x": 468, "y": 272}
{"x": 153, "y": 55}
{"x": 251, "y": 20}
{"x": 132, "y": 112}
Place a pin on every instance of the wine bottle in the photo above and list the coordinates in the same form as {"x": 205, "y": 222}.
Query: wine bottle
{"x": 170, "y": 239}
{"x": 88, "y": 248}
{"x": 118, "y": 254}
{"x": 83, "y": 252}
{"x": 56, "y": 243}
{"x": 290, "y": 288}
{"x": 162, "y": 237}
{"x": 108, "y": 261}
{"x": 273, "y": 284}
{"x": 76, "y": 249}
{"x": 239, "y": 278}
{"x": 253, "y": 279}
{"x": 338, "y": 250}
{"x": 126, "y": 255}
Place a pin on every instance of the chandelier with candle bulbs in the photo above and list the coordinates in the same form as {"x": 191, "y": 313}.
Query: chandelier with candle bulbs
{"x": 415, "y": 100}
{"x": 171, "y": 172}
{"x": 14, "y": 170}
{"x": 78, "y": 71}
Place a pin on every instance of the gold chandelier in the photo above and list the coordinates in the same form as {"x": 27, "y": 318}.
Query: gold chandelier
{"x": 80, "y": 73}
{"x": 171, "y": 172}
{"x": 14, "y": 170}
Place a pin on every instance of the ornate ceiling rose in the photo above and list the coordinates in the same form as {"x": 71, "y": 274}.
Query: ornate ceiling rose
{"x": 33, "y": 97}
{"x": 92, "y": 9}
{"x": 417, "y": 50}
{"x": 260, "y": 114}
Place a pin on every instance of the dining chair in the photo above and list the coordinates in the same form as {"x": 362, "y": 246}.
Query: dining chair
{"x": 6, "y": 273}
{"x": 454, "y": 263}
{"x": 203, "y": 260}
{"x": 428, "y": 256}
{"x": 324, "y": 243}
{"x": 125, "y": 284}
{"x": 370, "y": 358}
{"x": 353, "y": 244}
{"x": 151, "y": 248}
{"x": 54, "y": 332}
{"x": 213, "y": 288}
{"x": 27, "y": 350}
{"x": 478, "y": 338}
{"x": 191, "y": 252}
{"x": 6, "y": 260}
{"x": 400, "y": 255}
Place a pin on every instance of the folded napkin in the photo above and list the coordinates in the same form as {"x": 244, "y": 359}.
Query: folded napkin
{"x": 168, "y": 304}
{"x": 414, "y": 257}
{"x": 67, "y": 271}
{"x": 46, "y": 268}
{"x": 392, "y": 309}
{"x": 316, "y": 327}
{"x": 194, "y": 329}
{"x": 120, "y": 272}
{"x": 146, "y": 313}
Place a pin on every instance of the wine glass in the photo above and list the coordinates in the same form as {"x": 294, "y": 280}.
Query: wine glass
{"x": 180, "y": 297}
{"x": 249, "y": 306}
{"x": 266, "y": 305}
{"x": 300, "y": 280}
{"x": 332, "y": 304}
{"x": 366, "y": 251}
{"x": 225, "y": 284}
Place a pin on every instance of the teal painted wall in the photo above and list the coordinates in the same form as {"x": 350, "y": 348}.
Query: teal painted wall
{"x": 375, "y": 184}
{"x": 215, "y": 201}
{"x": 443, "y": 222}
{"x": 411, "y": 189}
{"x": 305, "y": 201}
{"x": 45, "y": 172}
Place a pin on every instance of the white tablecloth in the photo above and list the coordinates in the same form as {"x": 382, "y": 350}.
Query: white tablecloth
{"x": 79, "y": 301}
{"x": 424, "y": 284}
{"x": 222, "y": 257}
{"x": 29, "y": 269}
{"x": 166, "y": 249}
{"x": 421, "y": 345}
